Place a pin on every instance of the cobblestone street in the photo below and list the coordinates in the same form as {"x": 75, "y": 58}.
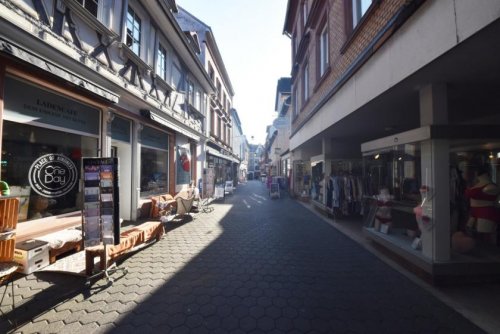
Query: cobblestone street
{"x": 251, "y": 265}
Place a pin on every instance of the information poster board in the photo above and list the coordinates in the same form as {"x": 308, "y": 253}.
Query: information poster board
{"x": 209, "y": 181}
{"x": 101, "y": 220}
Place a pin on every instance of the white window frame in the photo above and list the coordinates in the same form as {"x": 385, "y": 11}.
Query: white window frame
{"x": 161, "y": 62}
{"x": 131, "y": 30}
{"x": 305, "y": 82}
{"x": 197, "y": 100}
{"x": 305, "y": 13}
{"x": 359, "y": 9}
{"x": 324, "y": 53}
{"x": 84, "y": 4}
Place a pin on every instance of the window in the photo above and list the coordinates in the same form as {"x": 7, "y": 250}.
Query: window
{"x": 219, "y": 89}
{"x": 323, "y": 50}
{"x": 133, "y": 31}
{"x": 219, "y": 126}
{"x": 161, "y": 62}
{"x": 305, "y": 83}
{"x": 305, "y": 13}
{"x": 211, "y": 72}
{"x": 176, "y": 77}
{"x": 295, "y": 102}
{"x": 197, "y": 100}
{"x": 190, "y": 93}
{"x": 154, "y": 162}
{"x": 22, "y": 146}
{"x": 90, "y": 5}
{"x": 212, "y": 121}
{"x": 359, "y": 8}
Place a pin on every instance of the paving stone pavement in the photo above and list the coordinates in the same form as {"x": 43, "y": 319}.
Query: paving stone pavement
{"x": 253, "y": 265}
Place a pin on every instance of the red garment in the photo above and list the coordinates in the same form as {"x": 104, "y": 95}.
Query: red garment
{"x": 485, "y": 212}
{"x": 478, "y": 194}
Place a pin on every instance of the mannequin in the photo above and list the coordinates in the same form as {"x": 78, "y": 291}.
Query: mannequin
{"x": 484, "y": 213}
{"x": 383, "y": 214}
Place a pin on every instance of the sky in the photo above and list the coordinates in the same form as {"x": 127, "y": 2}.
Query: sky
{"x": 249, "y": 34}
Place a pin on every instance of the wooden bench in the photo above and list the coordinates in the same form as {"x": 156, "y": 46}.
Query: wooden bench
{"x": 129, "y": 239}
{"x": 37, "y": 229}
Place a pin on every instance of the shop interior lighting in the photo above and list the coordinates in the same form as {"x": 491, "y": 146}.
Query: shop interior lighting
{"x": 491, "y": 156}
{"x": 377, "y": 156}
{"x": 498, "y": 155}
{"x": 400, "y": 158}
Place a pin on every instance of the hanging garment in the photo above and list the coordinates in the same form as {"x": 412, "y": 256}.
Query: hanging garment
{"x": 335, "y": 192}
{"x": 329, "y": 192}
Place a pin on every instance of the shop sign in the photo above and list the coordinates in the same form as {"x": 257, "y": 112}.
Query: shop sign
{"x": 25, "y": 103}
{"x": 53, "y": 175}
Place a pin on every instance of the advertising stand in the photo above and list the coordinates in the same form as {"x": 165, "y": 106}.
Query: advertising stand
{"x": 100, "y": 218}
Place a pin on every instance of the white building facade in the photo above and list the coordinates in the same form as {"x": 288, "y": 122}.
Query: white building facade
{"x": 99, "y": 79}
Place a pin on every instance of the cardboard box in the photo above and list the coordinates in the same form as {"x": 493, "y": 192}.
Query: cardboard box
{"x": 31, "y": 255}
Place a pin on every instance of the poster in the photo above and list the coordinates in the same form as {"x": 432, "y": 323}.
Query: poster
{"x": 101, "y": 221}
{"x": 183, "y": 163}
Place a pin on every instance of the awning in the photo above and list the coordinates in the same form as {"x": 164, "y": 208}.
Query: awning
{"x": 220, "y": 155}
{"x": 165, "y": 122}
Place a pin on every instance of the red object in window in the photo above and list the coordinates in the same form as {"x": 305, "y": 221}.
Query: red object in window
{"x": 185, "y": 162}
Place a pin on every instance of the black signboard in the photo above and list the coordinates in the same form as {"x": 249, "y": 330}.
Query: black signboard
{"x": 101, "y": 217}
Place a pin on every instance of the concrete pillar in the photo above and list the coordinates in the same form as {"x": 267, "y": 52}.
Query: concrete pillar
{"x": 108, "y": 117}
{"x": 136, "y": 166}
{"x": 435, "y": 175}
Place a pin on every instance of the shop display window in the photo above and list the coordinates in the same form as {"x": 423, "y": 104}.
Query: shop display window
{"x": 154, "y": 171}
{"x": 474, "y": 194}
{"x": 317, "y": 182}
{"x": 392, "y": 188}
{"x": 397, "y": 169}
{"x": 56, "y": 177}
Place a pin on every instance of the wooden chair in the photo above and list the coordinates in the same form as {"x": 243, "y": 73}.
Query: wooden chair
{"x": 9, "y": 209}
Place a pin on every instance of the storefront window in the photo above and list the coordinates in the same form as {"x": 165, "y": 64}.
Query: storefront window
{"x": 392, "y": 188}
{"x": 474, "y": 192}
{"x": 154, "y": 162}
{"x": 397, "y": 169}
{"x": 318, "y": 186}
{"x": 54, "y": 158}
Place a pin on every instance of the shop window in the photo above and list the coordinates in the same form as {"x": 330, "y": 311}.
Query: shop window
{"x": 475, "y": 190}
{"x": 53, "y": 157}
{"x": 154, "y": 162}
{"x": 397, "y": 169}
{"x": 154, "y": 172}
{"x": 133, "y": 31}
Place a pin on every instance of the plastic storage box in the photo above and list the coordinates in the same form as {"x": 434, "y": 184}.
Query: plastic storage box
{"x": 31, "y": 255}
